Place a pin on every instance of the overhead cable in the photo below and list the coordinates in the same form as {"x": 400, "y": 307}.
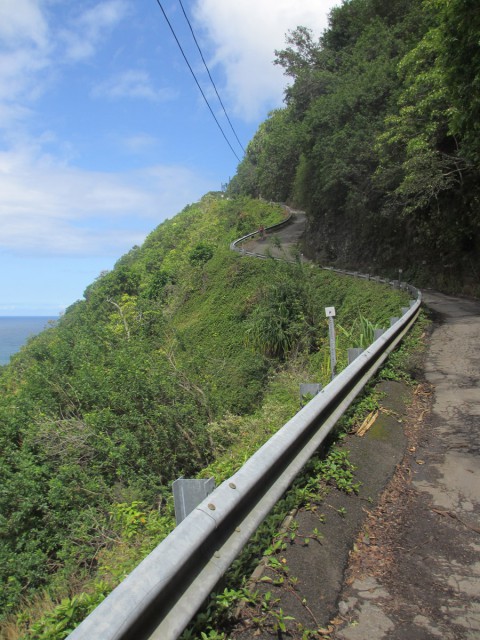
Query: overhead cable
{"x": 210, "y": 76}
{"x": 195, "y": 78}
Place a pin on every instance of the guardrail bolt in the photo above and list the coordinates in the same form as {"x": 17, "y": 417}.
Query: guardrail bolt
{"x": 232, "y": 485}
{"x": 211, "y": 506}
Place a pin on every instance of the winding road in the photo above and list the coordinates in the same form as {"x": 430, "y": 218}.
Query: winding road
{"x": 414, "y": 566}
{"x": 283, "y": 243}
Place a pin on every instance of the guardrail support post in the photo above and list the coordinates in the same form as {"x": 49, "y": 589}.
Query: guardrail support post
{"x": 354, "y": 353}
{"x": 308, "y": 389}
{"x": 377, "y": 333}
{"x": 188, "y": 493}
{"x": 393, "y": 321}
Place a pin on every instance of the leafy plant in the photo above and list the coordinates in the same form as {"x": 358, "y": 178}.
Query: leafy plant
{"x": 337, "y": 469}
{"x": 145, "y": 380}
{"x": 67, "y": 615}
{"x": 201, "y": 254}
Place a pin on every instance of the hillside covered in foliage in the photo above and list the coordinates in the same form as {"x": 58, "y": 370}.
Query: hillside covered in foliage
{"x": 379, "y": 140}
{"x": 180, "y": 361}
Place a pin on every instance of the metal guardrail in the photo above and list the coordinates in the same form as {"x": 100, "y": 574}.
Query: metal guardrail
{"x": 163, "y": 593}
{"x": 275, "y": 227}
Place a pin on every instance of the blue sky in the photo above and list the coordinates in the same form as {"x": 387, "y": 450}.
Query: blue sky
{"x": 104, "y": 134}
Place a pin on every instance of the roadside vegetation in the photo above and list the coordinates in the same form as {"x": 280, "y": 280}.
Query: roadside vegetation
{"x": 165, "y": 367}
{"x": 379, "y": 140}
{"x": 186, "y": 357}
{"x": 247, "y": 601}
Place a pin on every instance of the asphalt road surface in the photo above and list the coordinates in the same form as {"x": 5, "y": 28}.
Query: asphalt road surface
{"x": 283, "y": 243}
{"x": 408, "y": 567}
{"x": 431, "y": 588}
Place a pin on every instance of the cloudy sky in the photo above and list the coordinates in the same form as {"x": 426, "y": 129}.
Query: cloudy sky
{"x": 104, "y": 134}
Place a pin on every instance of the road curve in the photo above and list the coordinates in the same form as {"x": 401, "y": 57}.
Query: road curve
{"x": 431, "y": 509}
{"x": 282, "y": 243}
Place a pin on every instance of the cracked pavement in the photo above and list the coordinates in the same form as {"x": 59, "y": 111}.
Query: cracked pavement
{"x": 432, "y": 587}
{"x": 414, "y": 566}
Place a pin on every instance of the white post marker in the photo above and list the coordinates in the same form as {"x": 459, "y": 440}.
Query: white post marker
{"x": 330, "y": 314}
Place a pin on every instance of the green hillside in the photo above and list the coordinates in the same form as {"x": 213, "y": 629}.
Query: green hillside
{"x": 379, "y": 140}
{"x": 185, "y": 355}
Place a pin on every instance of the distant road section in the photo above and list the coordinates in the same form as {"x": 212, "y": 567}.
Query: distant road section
{"x": 416, "y": 574}
{"x": 284, "y": 243}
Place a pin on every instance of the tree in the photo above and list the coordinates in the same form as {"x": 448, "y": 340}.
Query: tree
{"x": 423, "y": 162}
{"x": 460, "y": 57}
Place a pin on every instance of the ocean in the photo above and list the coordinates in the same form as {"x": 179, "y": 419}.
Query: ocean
{"x": 15, "y": 331}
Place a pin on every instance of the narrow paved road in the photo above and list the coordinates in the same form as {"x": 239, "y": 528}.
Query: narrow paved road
{"x": 432, "y": 588}
{"x": 414, "y": 572}
{"x": 283, "y": 243}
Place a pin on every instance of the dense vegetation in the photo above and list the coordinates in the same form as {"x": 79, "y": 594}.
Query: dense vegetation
{"x": 185, "y": 357}
{"x": 379, "y": 139}
{"x": 165, "y": 366}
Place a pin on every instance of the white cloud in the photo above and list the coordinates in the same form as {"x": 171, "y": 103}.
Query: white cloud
{"x": 139, "y": 142}
{"x": 24, "y": 54}
{"x": 47, "y": 206}
{"x": 133, "y": 84}
{"x": 22, "y": 21}
{"x": 31, "y": 51}
{"x": 51, "y": 209}
{"x": 89, "y": 27}
{"x": 245, "y": 35}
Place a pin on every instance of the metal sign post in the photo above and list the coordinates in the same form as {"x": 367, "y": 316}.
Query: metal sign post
{"x": 330, "y": 313}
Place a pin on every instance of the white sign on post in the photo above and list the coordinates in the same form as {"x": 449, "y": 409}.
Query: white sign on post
{"x": 330, "y": 313}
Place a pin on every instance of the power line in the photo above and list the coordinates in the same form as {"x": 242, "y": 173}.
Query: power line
{"x": 210, "y": 76}
{"x": 195, "y": 78}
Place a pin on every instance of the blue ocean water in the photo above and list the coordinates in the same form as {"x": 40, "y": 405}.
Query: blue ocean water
{"x": 15, "y": 331}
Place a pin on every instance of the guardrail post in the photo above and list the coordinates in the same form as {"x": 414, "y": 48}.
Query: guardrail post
{"x": 188, "y": 493}
{"x": 354, "y": 353}
{"x": 404, "y": 310}
{"x": 308, "y": 389}
{"x": 393, "y": 321}
{"x": 377, "y": 333}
